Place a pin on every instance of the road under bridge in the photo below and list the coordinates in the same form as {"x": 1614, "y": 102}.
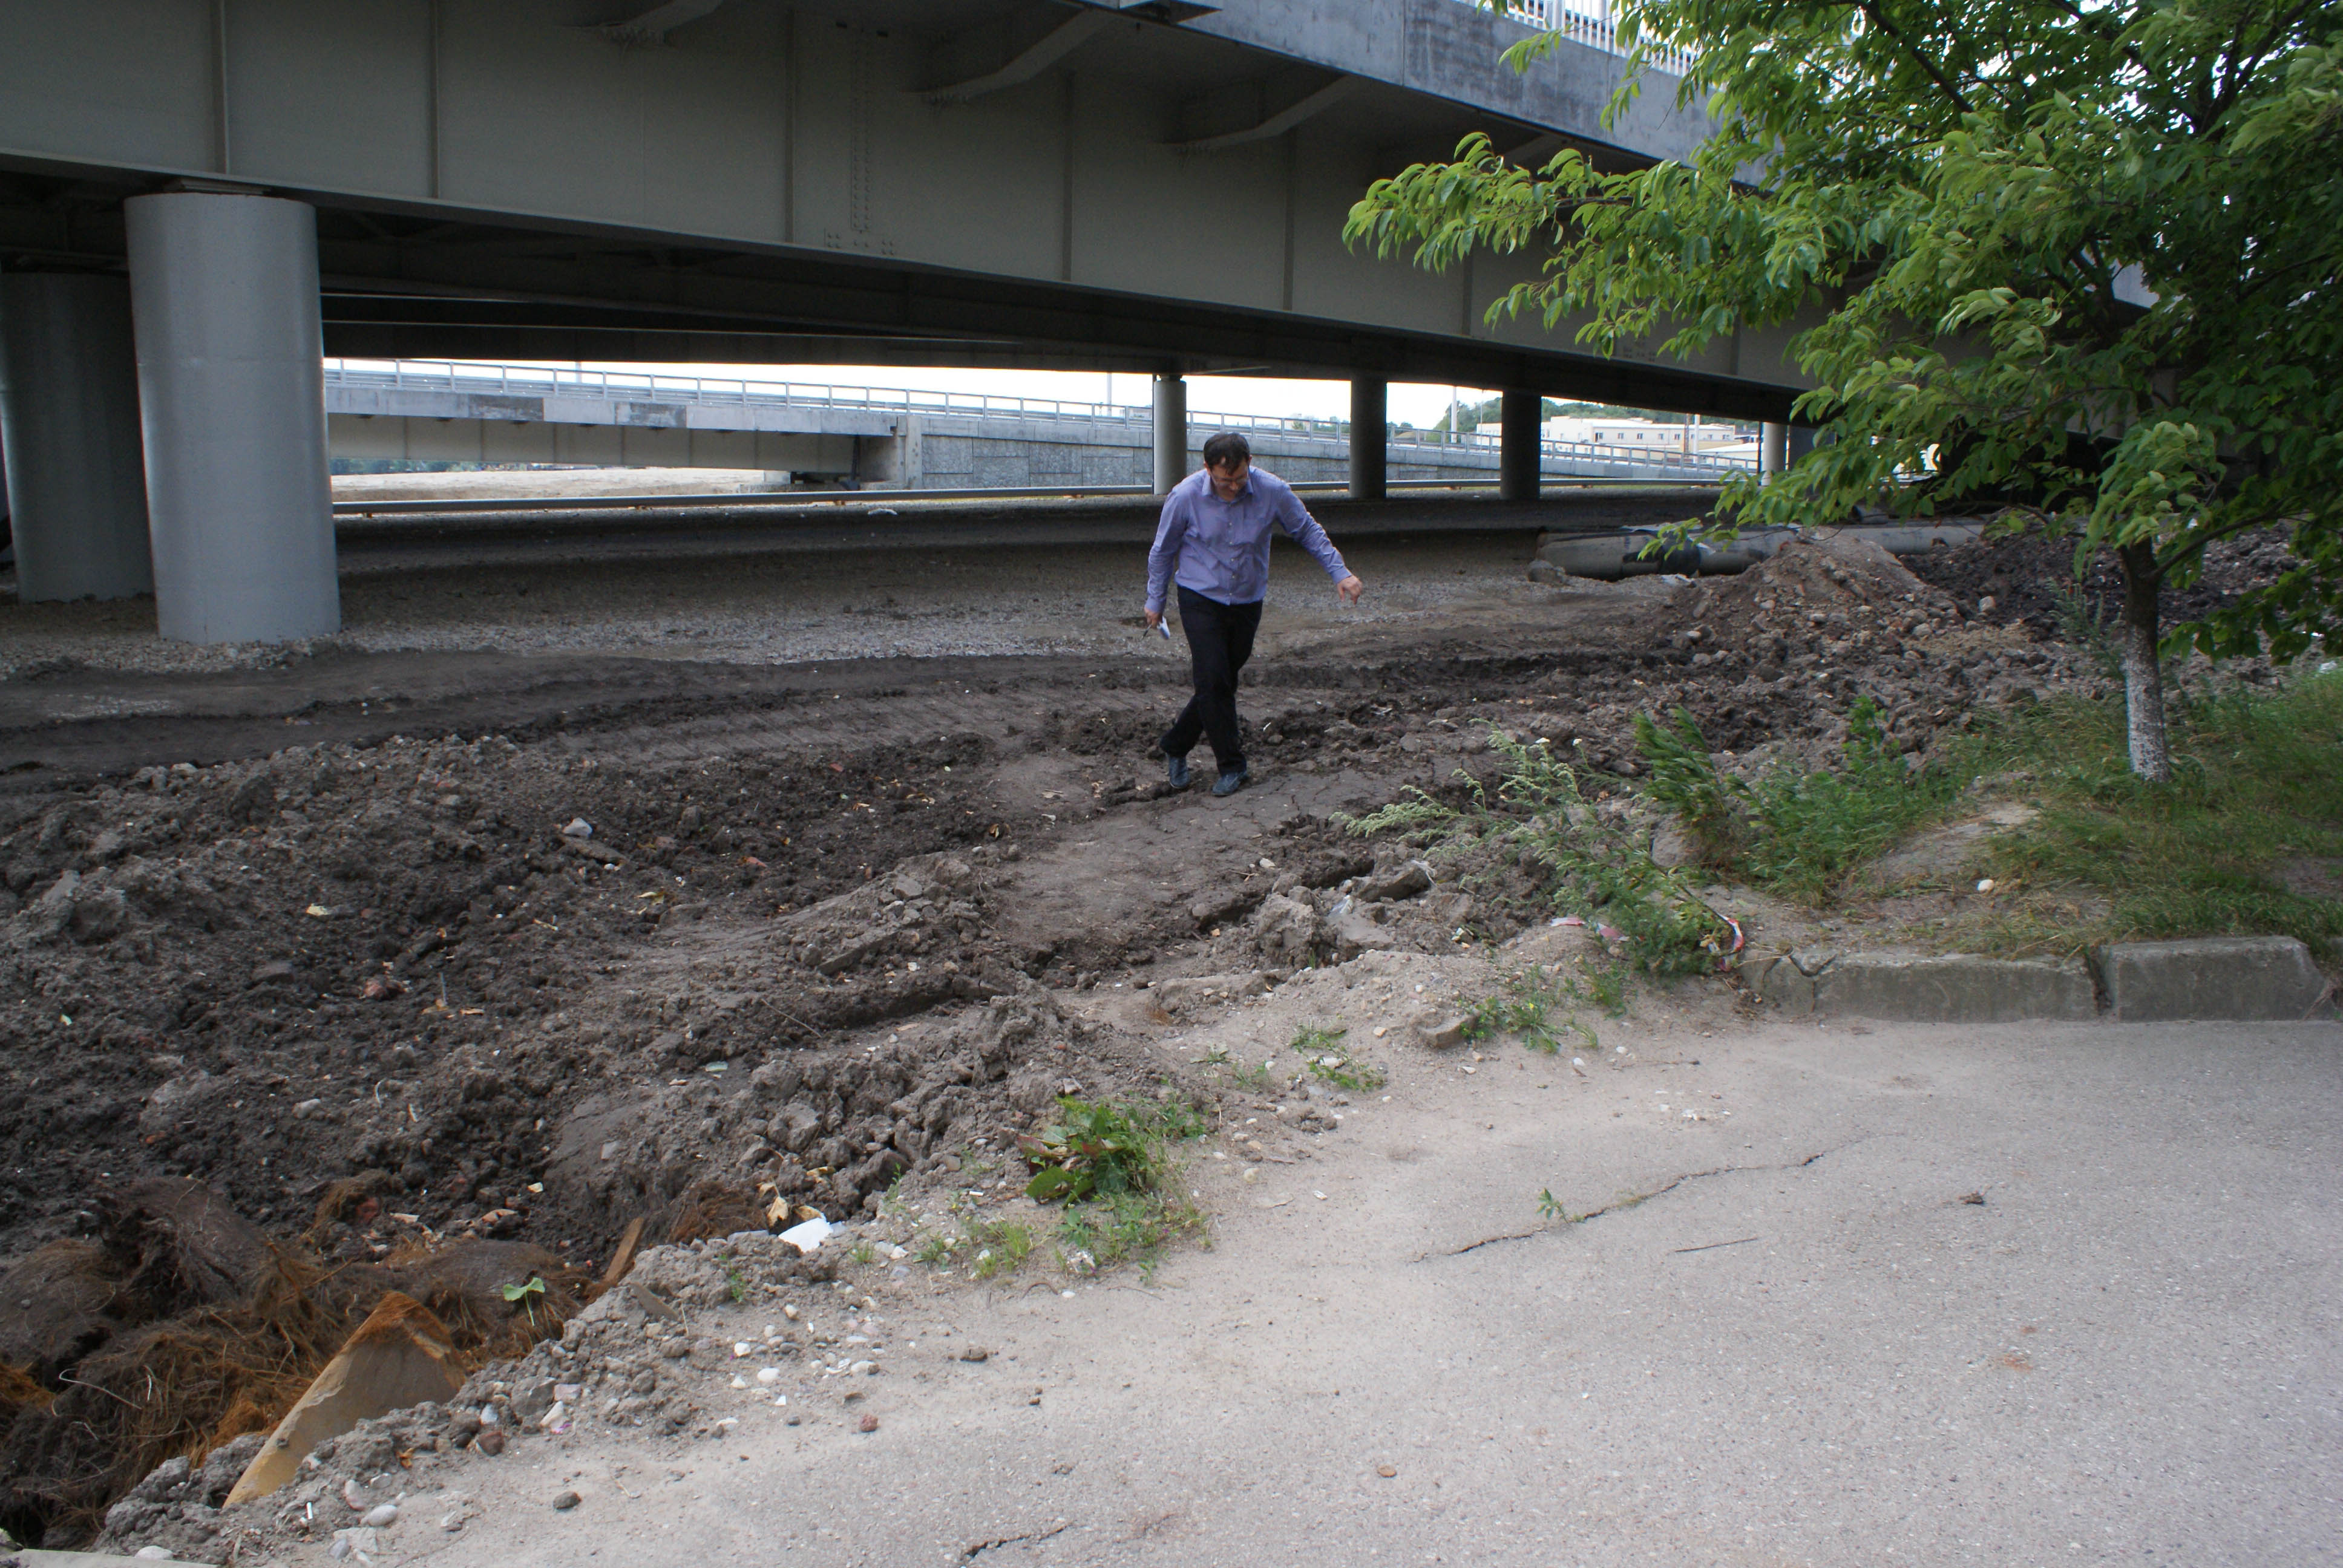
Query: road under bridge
{"x": 201, "y": 199}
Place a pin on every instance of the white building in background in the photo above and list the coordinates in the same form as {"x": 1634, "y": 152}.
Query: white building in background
{"x": 1642, "y": 433}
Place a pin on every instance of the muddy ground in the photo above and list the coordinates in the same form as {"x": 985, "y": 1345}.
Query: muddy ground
{"x": 399, "y": 949}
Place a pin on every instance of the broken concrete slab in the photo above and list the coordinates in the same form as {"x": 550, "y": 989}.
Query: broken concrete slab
{"x": 1955, "y": 988}
{"x": 2242, "y": 978}
{"x": 400, "y": 1356}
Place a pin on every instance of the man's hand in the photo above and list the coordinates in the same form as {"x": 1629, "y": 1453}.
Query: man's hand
{"x": 1349, "y": 589}
{"x": 1155, "y": 617}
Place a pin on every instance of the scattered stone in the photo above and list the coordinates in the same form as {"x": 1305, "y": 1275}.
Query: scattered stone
{"x": 563, "y": 1502}
{"x": 380, "y": 1514}
{"x": 1440, "y": 1031}
{"x": 975, "y": 1353}
{"x": 1400, "y": 882}
{"x": 868, "y": 1424}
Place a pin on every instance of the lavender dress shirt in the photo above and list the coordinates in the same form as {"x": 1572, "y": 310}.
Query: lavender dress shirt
{"x": 1221, "y": 548}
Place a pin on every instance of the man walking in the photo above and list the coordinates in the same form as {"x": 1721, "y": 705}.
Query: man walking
{"x": 1214, "y": 541}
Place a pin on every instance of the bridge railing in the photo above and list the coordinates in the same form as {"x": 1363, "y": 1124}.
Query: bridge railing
{"x": 476, "y": 378}
{"x": 1596, "y": 29}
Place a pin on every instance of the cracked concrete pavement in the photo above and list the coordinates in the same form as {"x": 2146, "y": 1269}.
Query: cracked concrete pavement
{"x": 1792, "y": 1335}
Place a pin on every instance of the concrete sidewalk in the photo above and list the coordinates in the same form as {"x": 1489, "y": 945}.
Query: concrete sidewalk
{"x": 1791, "y": 1334}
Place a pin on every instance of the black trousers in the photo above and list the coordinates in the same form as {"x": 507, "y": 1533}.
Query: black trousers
{"x": 1220, "y": 640}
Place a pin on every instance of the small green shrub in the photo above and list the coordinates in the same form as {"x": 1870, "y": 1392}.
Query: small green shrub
{"x": 1105, "y": 1147}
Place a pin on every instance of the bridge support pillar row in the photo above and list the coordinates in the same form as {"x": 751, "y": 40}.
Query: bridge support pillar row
{"x": 1773, "y": 447}
{"x": 1171, "y": 431}
{"x": 1519, "y": 455}
{"x": 231, "y": 384}
{"x": 70, "y": 425}
{"x": 1370, "y": 434}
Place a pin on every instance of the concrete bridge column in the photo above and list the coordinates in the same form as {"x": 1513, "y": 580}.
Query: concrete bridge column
{"x": 1369, "y": 434}
{"x": 1772, "y": 449}
{"x": 69, "y": 426}
{"x": 1170, "y": 430}
{"x": 231, "y": 386}
{"x": 1518, "y": 444}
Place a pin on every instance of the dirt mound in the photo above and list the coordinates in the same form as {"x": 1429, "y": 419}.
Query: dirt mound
{"x": 2032, "y": 582}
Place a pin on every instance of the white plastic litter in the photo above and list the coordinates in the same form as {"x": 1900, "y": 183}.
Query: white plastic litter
{"x": 809, "y": 1235}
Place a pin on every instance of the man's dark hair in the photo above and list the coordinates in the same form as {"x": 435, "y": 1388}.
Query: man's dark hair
{"x": 1226, "y": 449}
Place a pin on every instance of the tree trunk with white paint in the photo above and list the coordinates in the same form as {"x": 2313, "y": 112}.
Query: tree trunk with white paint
{"x": 2151, "y": 758}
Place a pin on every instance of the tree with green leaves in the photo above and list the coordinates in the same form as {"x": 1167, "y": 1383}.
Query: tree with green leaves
{"x": 2074, "y": 261}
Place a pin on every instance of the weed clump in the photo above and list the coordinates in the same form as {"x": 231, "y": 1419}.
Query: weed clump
{"x": 1540, "y": 808}
{"x": 1111, "y": 1162}
{"x": 1527, "y": 1003}
{"x": 1793, "y": 830}
{"x": 1328, "y": 1065}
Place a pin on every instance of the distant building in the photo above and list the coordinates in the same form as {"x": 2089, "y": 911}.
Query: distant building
{"x": 1644, "y": 434}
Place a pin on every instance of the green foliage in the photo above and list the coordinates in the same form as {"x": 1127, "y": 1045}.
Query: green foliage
{"x": 1669, "y": 930}
{"x": 528, "y": 1295}
{"x": 1549, "y": 1207}
{"x": 1128, "y": 1228}
{"x": 1525, "y": 1006}
{"x": 1105, "y": 1147}
{"x": 998, "y": 1247}
{"x": 860, "y": 1254}
{"x": 1792, "y": 830}
{"x": 1960, "y": 205}
{"x": 1414, "y": 815}
{"x": 1602, "y": 871}
{"x": 1324, "y": 1062}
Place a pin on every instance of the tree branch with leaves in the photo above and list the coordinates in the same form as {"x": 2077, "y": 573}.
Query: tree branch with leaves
{"x": 2086, "y": 259}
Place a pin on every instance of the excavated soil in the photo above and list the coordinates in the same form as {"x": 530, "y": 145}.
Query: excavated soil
{"x": 437, "y": 951}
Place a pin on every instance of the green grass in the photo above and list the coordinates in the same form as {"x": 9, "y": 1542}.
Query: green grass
{"x": 998, "y": 1247}
{"x": 2257, "y": 779}
{"x": 1129, "y": 1228}
{"x": 1526, "y": 1005}
{"x": 1328, "y": 1065}
{"x": 1789, "y": 830}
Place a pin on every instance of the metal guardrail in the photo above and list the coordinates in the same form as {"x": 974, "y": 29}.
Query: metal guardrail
{"x": 482, "y": 379}
{"x": 1597, "y": 31}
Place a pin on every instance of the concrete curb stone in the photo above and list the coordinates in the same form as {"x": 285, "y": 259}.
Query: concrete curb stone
{"x": 2246, "y": 978}
{"x": 2212, "y": 979}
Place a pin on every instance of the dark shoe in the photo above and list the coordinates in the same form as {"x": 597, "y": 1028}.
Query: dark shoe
{"x": 1230, "y": 783}
{"x": 1177, "y": 767}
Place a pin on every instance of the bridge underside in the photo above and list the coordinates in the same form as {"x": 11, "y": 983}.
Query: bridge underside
{"x": 1050, "y": 184}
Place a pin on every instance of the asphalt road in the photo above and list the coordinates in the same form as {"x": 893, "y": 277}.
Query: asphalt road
{"x": 1804, "y": 1344}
